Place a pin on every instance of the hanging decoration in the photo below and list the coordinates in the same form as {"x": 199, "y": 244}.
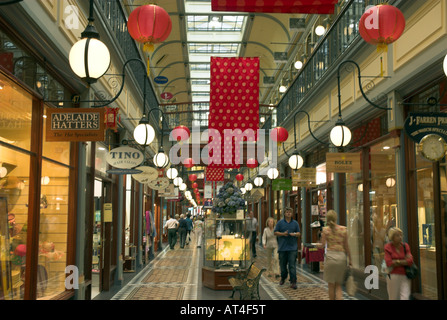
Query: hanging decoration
{"x": 382, "y": 25}
{"x": 149, "y": 25}
{"x": 279, "y": 134}
{"x": 239, "y": 177}
{"x": 192, "y": 177}
{"x": 181, "y": 133}
{"x": 111, "y": 118}
{"x": 188, "y": 163}
{"x": 252, "y": 163}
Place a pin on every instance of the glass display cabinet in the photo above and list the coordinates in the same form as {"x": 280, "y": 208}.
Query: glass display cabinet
{"x": 226, "y": 248}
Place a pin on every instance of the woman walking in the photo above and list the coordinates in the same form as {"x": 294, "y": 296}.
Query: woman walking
{"x": 397, "y": 257}
{"x": 270, "y": 244}
{"x": 335, "y": 264}
{"x": 198, "y": 231}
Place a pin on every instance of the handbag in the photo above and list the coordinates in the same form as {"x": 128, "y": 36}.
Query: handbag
{"x": 351, "y": 286}
{"x": 411, "y": 271}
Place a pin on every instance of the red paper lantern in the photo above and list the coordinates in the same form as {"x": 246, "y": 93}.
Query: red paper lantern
{"x": 279, "y": 134}
{"x": 381, "y": 25}
{"x": 195, "y": 185}
{"x": 181, "y": 133}
{"x": 252, "y": 163}
{"x": 149, "y": 24}
{"x": 192, "y": 177}
{"x": 239, "y": 177}
{"x": 188, "y": 163}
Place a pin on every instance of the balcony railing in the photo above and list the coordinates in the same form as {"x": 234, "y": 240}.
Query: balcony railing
{"x": 337, "y": 41}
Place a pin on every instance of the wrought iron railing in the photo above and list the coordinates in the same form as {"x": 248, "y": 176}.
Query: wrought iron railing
{"x": 115, "y": 17}
{"x": 337, "y": 41}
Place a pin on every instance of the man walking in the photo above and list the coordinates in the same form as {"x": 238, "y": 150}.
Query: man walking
{"x": 171, "y": 228}
{"x": 252, "y": 227}
{"x": 189, "y": 228}
{"x": 287, "y": 230}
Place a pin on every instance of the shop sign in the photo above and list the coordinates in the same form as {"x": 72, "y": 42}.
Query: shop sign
{"x": 125, "y": 158}
{"x": 282, "y": 184}
{"x": 166, "y": 96}
{"x": 343, "y": 162}
{"x": 420, "y": 124}
{"x": 160, "y": 80}
{"x": 75, "y": 124}
{"x": 148, "y": 174}
{"x": 304, "y": 175}
{"x": 208, "y": 191}
{"x": 108, "y": 213}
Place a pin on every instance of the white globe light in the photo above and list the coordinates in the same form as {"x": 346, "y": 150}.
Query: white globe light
{"x": 178, "y": 181}
{"x": 243, "y": 190}
{"x": 183, "y": 187}
{"x": 390, "y": 182}
{"x": 296, "y": 162}
{"x": 248, "y": 186}
{"x": 340, "y": 136}
{"x": 258, "y": 181}
{"x": 172, "y": 173}
{"x": 445, "y": 65}
{"x": 144, "y": 134}
{"x": 282, "y": 89}
{"x": 273, "y": 173}
{"x": 3, "y": 172}
{"x": 161, "y": 160}
{"x": 97, "y": 55}
{"x": 320, "y": 30}
{"x": 298, "y": 65}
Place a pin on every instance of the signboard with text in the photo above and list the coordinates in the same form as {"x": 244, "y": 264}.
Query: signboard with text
{"x": 75, "y": 124}
{"x": 282, "y": 184}
{"x": 306, "y": 175}
{"x": 343, "y": 162}
{"x": 419, "y": 124}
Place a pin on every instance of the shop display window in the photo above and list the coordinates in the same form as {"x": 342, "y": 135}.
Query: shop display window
{"x": 426, "y": 224}
{"x": 382, "y": 195}
{"x": 14, "y": 190}
{"x": 354, "y": 218}
{"x": 53, "y": 230}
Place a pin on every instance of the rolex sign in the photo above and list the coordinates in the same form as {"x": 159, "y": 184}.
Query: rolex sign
{"x": 125, "y": 158}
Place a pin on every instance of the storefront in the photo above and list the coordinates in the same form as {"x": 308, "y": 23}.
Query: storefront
{"x": 37, "y": 184}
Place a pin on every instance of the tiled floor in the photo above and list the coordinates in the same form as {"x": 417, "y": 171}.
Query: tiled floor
{"x": 176, "y": 275}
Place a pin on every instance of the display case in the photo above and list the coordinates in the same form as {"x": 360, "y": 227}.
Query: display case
{"x": 226, "y": 248}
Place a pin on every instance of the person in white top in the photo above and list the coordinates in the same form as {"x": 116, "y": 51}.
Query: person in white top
{"x": 198, "y": 231}
{"x": 170, "y": 228}
{"x": 270, "y": 243}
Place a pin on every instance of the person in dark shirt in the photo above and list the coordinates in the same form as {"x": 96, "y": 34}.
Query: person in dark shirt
{"x": 182, "y": 226}
{"x": 287, "y": 230}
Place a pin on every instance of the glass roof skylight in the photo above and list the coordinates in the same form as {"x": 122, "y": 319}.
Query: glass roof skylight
{"x": 209, "y": 34}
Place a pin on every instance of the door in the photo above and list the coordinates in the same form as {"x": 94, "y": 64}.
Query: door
{"x": 97, "y": 239}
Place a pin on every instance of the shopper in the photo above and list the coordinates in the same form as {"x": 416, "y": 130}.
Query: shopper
{"x": 252, "y": 230}
{"x": 287, "y": 230}
{"x": 182, "y": 226}
{"x": 198, "y": 231}
{"x": 270, "y": 243}
{"x": 189, "y": 228}
{"x": 397, "y": 256}
{"x": 335, "y": 237}
{"x": 171, "y": 229}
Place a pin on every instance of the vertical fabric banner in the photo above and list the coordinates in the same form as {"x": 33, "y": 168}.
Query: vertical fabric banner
{"x": 215, "y": 174}
{"x": 234, "y": 108}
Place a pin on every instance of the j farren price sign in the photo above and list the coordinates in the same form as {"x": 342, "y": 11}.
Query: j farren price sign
{"x": 75, "y": 124}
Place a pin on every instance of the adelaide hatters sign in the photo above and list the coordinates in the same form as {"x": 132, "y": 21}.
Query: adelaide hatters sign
{"x": 75, "y": 124}
{"x": 418, "y": 125}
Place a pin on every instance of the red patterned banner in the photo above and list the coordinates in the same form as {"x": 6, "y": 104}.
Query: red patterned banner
{"x": 276, "y": 6}
{"x": 214, "y": 174}
{"x": 234, "y": 108}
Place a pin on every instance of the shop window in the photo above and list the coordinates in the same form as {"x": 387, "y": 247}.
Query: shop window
{"x": 53, "y": 229}
{"x": 426, "y": 225}
{"x": 14, "y": 191}
{"x": 354, "y": 218}
{"x": 57, "y": 150}
{"x": 15, "y": 115}
{"x": 382, "y": 195}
